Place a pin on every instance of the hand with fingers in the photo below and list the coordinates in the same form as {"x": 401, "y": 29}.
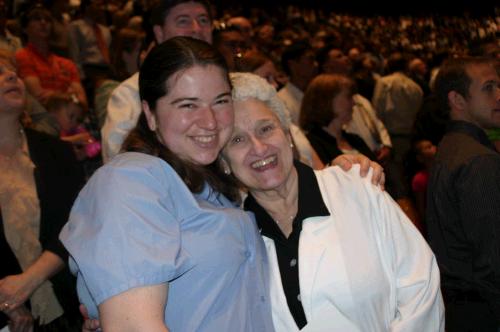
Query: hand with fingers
{"x": 14, "y": 291}
{"x": 346, "y": 161}
{"x": 20, "y": 319}
{"x": 89, "y": 325}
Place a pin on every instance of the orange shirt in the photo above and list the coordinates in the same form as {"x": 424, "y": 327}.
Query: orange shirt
{"x": 55, "y": 73}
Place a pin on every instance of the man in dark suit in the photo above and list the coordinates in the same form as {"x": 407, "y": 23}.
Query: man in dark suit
{"x": 463, "y": 207}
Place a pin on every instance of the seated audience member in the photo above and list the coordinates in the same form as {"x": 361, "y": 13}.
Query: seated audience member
{"x": 327, "y": 107}
{"x": 60, "y": 40}
{"x": 364, "y": 121}
{"x": 8, "y": 41}
{"x": 68, "y": 114}
{"x": 44, "y": 73}
{"x": 39, "y": 179}
{"x": 230, "y": 42}
{"x": 463, "y": 203}
{"x": 332, "y": 60}
{"x": 90, "y": 38}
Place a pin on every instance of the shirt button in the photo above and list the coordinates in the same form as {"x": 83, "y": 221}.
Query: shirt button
{"x": 247, "y": 254}
{"x": 293, "y": 262}
{"x": 299, "y": 298}
{"x": 263, "y": 298}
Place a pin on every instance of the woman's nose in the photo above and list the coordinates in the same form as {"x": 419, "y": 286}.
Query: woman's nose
{"x": 258, "y": 145}
{"x": 208, "y": 119}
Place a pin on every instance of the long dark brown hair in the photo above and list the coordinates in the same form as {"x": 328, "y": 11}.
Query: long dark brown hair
{"x": 164, "y": 61}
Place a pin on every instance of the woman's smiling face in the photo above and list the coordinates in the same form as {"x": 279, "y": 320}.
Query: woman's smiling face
{"x": 258, "y": 152}
{"x": 195, "y": 119}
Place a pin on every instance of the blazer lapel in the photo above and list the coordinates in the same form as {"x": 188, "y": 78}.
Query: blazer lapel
{"x": 321, "y": 265}
{"x": 312, "y": 247}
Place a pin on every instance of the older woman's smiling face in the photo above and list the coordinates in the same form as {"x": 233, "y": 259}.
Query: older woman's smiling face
{"x": 258, "y": 151}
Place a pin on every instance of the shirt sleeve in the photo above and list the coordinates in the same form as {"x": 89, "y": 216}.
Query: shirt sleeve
{"x": 379, "y": 125}
{"x": 379, "y": 99}
{"x": 123, "y": 231}
{"x": 419, "y": 304}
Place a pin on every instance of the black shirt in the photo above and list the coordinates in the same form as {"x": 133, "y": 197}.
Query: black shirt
{"x": 463, "y": 213}
{"x": 287, "y": 250}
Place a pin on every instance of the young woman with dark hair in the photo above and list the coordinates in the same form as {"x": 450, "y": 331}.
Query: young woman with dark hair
{"x": 155, "y": 241}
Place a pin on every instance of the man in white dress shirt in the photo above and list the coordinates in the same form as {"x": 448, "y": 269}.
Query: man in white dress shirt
{"x": 397, "y": 98}
{"x": 172, "y": 18}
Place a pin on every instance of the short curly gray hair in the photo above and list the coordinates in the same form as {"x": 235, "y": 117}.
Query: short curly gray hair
{"x": 247, "y": 85}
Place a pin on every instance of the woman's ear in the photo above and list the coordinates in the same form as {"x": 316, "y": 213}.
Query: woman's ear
{"x": 150, "y": 117}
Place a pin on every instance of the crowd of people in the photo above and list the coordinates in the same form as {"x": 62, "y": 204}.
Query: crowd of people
{"x": 218, "y": 131}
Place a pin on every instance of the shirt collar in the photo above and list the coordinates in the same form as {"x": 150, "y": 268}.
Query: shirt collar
{"x": 311, "y": 203}
{"x": 456, "y": 126}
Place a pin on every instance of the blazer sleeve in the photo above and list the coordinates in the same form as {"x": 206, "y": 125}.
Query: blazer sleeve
{"x": 419, "y": 304}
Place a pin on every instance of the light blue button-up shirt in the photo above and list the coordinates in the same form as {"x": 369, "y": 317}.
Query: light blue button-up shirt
{"x": 136, "y": 223}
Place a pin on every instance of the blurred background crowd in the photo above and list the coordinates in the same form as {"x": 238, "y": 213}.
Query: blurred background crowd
{"x": 377, "y": 69}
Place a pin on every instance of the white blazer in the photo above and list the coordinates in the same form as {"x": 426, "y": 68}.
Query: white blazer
{"x": 363, "y": 268}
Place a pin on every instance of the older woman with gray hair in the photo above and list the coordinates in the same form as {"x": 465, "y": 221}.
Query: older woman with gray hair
{"x": 361, "y": 264}
{"x": 259, "y": 64}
